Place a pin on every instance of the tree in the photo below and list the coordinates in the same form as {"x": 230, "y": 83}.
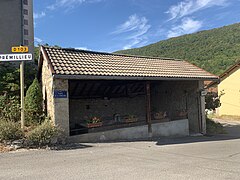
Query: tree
{"x": 33, "y": 104}
{"x": 9, "y": 79}
{"x": 212, "y": 101}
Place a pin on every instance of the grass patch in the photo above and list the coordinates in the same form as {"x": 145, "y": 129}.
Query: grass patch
{"x": 214, "y": 127}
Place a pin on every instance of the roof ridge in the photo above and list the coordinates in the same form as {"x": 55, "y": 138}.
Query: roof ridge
{"x": 115, "y": 54}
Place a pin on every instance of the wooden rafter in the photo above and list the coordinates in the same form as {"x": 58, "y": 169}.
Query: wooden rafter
{"x": 100, "y": 89}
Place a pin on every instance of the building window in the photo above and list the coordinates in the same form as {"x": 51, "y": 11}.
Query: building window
{"x": 25, "y": 11}
{"x": 25, "y": 2}
{"x": 25, "y": 32}
{"x": 26, "y": 42}
{"x": 25, "y": 21}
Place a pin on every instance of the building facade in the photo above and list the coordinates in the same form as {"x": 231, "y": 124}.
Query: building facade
{"x": 229, "y": 89}
{"x": 16, "y": 20}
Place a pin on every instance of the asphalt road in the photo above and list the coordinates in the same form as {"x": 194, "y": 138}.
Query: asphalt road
{"x": 216, "y": 157}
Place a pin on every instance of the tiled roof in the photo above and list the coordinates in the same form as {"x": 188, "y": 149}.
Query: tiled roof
{"x": 74, "y": 62}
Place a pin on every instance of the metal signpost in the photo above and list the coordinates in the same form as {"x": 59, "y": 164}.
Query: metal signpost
{"x": 19, "y": 55}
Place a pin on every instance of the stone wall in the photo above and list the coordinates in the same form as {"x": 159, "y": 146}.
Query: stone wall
{"x": 61, "y": 105}
{"x": 105, "y": 109}
{"x": 57, "y": 108}
{"x": 47, "y": 89}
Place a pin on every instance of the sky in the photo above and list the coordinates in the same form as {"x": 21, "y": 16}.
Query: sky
{"x": 111, "y": 25}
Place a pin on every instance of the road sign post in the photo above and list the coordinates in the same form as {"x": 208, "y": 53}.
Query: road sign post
{"x": 21, "y": 49}
{"x": 22, "y": 94}
{"x": 19, "y": 54}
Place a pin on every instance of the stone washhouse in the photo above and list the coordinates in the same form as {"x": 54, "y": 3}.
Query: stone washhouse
{"x": 96, "y": 96}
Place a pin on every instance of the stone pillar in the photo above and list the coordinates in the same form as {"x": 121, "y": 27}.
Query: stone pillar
{"x": 61, "y": 104}
{"x": 202, "y": 108}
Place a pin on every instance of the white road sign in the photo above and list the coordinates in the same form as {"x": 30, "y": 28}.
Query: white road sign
{"x": 16, "y": 57}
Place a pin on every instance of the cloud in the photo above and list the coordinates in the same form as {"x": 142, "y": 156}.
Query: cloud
{"x": 38, "y": 40}
{"x": 83, "y": 48}
{"x": 131, "y": 24}
{"x": 188, "y": 7}
{"x": 187, "y": 26}
{"x": 134, "y": 30}
{"x": 39, "y": 15}
{"x": 69, "y": 4}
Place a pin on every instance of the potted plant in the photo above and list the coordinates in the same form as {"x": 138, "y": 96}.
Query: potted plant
{"x": 182, "y": 113}
{"x": 94, "y": 122}
{"x": 130, "y": 118}
{"x": 160, "y": 115}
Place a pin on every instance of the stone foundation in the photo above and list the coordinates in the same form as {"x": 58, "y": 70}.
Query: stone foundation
{"x": 173, "y": 128}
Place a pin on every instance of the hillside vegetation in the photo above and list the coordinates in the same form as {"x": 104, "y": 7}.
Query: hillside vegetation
{"x": 213, "y": 50}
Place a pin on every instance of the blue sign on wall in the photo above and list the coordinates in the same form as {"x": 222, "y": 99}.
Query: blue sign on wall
{"x": 60, "y": 94}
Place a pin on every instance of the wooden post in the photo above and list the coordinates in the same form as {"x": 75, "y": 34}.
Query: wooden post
{"x": 22, "y": 70}
{"x": 148, "y": 101}
{"x": 22, "y": 93}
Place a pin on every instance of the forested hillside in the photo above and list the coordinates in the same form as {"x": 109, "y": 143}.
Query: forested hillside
{"x": 213, "y": 50}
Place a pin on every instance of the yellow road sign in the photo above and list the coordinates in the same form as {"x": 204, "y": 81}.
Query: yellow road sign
{"x": 20, "y": 49}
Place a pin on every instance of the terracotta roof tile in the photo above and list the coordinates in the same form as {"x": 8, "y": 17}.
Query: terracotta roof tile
{"x": 80, "y": 62}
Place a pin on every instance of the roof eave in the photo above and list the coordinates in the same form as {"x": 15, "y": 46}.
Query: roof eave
{"x": 92, "y": 77}
{"x": 45, "y": 56}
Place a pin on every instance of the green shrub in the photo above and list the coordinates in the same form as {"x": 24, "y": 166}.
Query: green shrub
{"x": 9, "y": 108}
{"x": 10, "y": 131}
{"x": 33, "y": 104}
{"x": 214, "y": 127}
{"x": 43, "y": 134}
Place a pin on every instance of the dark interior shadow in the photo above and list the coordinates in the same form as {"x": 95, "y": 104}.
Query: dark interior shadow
{"x": 232, "y": 132}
